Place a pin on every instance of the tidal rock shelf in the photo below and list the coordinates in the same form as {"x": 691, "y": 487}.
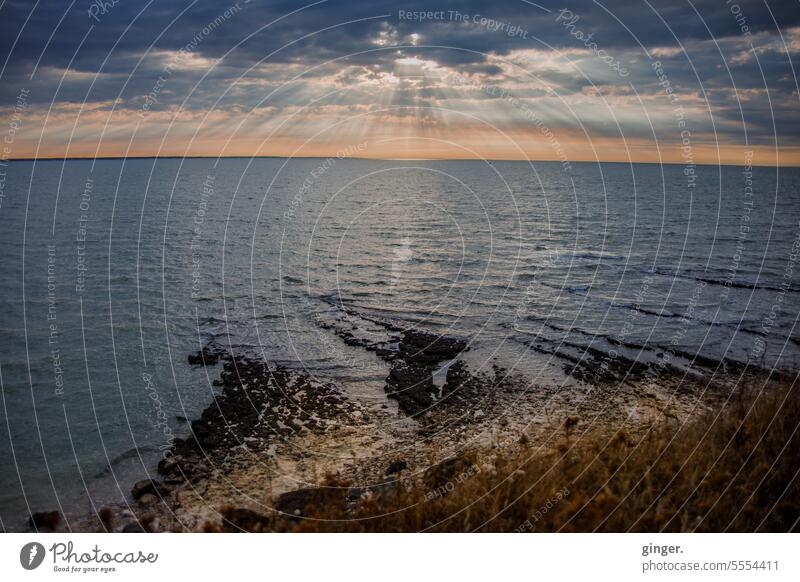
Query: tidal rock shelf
{"x": 260, "y": 405}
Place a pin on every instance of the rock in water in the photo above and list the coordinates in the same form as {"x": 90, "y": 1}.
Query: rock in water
{"x": 205, "y": 357}
{"x": 46, "y": 520}
{"x": 410, "y": 380}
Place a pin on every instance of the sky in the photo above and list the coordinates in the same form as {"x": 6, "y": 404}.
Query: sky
{"x": 678, "y": 81}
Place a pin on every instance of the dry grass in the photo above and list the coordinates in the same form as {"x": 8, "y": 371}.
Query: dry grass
{"x": 734, "y": 469}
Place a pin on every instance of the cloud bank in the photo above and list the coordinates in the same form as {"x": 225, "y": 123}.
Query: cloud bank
{"x": 578, "y": 80}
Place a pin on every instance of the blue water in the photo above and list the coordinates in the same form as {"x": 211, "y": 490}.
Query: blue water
{"x": 113, "y": 271}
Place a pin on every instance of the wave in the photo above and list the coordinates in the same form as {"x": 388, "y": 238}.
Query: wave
{"x": 736, "y": 284}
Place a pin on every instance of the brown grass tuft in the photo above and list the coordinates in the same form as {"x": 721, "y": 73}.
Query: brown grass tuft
{"x": 733, "y": 469}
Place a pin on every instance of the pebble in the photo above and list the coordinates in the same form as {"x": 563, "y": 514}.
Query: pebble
{"x": 148, "y": 499}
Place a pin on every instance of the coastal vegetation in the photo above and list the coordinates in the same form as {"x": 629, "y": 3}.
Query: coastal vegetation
{"x": 729, "y": 469}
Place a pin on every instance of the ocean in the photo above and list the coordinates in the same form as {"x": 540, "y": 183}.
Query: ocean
{"x": 114, "y": 271}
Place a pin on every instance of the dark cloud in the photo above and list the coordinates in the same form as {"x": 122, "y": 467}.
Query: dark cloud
{"x": 115, "y": 52}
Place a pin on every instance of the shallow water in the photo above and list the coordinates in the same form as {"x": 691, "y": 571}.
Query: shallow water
{"x": 254, "y": 254}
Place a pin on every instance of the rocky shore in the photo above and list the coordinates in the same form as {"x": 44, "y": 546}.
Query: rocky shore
{"x": 277, "y": 441}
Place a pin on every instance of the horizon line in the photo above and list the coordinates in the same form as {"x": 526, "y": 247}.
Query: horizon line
{"x": 239, "y": 157}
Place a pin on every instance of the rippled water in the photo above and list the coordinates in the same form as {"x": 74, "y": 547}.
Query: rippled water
{"x": 528, "y": 262}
